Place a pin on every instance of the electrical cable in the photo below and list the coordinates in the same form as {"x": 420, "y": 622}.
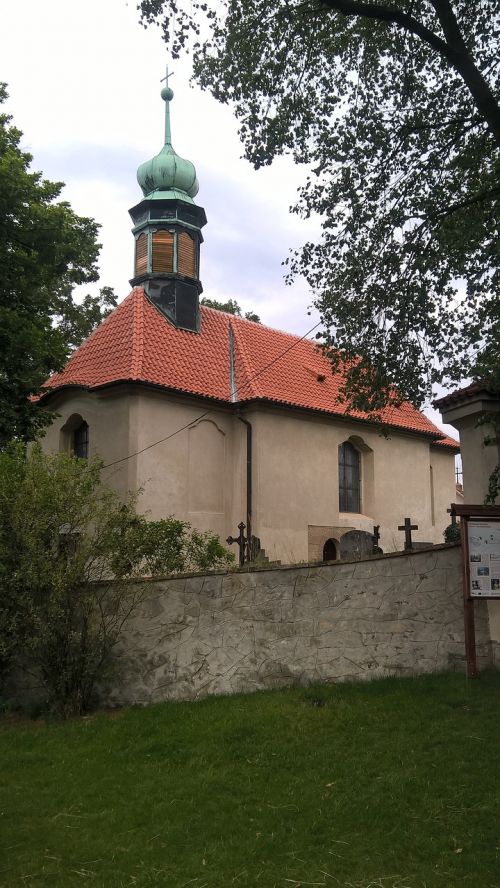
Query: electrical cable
{"x": 202, "y": 416}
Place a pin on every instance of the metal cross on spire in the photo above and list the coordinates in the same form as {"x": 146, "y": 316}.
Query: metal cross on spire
{"x": 167, "y": 95}
{"x": 167, "y": 75}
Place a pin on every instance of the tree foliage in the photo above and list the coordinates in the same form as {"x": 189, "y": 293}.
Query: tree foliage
{"x": 231, "y": 307}
{"x": 394, "y": 108}
{"x": 67, "y": 545}
{"x": 45, "y": 251}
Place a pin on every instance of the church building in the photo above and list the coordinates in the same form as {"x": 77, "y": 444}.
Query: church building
{"x": 220, "y": 420}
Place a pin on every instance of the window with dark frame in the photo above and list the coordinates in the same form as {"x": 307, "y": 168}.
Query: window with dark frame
{"x": 349, "y": 478}
{"x": 81, "y": 441}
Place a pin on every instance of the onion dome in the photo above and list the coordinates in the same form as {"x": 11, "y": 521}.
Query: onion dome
{"x": 167, "y": 175}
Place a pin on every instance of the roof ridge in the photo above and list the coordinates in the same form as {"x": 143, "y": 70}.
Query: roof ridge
{"x": 247, "y": 383}
{"x": 137, "y": 334}
{"x": 76, "y": 354}
{"x": 258, "y": 324}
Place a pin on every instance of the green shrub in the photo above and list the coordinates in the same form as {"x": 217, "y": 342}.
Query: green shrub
{"x": 452, "y": 533}
{"x": 67, "y": 543}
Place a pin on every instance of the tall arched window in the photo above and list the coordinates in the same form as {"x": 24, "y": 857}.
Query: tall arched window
{"x": 81, "y": 441}
{"x": 349, "y": 478}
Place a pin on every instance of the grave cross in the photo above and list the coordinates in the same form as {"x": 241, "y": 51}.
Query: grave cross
{"x": 408, "y": 527}
{"x": 453, "y": 515}
{"x": 241, "y": 540}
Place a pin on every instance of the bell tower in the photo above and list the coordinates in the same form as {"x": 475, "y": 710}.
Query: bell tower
{"x": 167, "y": 232}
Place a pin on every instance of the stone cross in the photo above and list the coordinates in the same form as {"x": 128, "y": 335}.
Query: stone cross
{"x": 408, "y": 527}
{"x": 241, "y": 540}
{"x": 453, "y": 515}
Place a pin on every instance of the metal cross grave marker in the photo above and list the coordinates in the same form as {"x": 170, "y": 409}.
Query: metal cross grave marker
{"x": 241, "y": 540}
{"x": 408, "y": 527}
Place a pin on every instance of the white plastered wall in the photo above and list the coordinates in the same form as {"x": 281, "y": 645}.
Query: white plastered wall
{"x": 296, "y": 482}
{"x": 199, "y": 474}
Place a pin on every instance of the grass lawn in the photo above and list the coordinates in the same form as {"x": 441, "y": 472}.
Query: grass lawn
{"x": 393, "y": 784}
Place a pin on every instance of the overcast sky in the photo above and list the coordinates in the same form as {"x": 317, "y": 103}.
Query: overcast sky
{"x": 84, "y": 87}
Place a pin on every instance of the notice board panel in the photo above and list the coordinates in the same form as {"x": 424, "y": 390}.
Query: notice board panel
{"x": 484, "y": 558}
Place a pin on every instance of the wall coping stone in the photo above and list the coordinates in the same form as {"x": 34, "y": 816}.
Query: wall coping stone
{"x": 304, "y": 565}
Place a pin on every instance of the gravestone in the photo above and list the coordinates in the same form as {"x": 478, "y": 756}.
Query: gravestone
{"x": 356, "y": 544}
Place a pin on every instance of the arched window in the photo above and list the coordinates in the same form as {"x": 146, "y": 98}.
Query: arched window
{"x": 186, "y": 254}
{"x": 163, "y": 251}
{"x": 81, "y": 441}
{"x": 141, "y": 254}
{"x": 349, "y": 478}
{"x": 330, "y": 551}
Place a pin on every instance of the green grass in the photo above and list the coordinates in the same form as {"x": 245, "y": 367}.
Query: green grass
{"x": 394, "y": 784}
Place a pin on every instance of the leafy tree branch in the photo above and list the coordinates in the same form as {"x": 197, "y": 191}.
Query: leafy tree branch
{"x": 45, "y": 251}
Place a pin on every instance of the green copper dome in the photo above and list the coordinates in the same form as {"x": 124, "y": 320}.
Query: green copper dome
{"x": 168, "y": 175}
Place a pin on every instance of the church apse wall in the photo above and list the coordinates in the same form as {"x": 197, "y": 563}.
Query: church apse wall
{"x": 297, "y": 484}
{"x": 199, "y": 474}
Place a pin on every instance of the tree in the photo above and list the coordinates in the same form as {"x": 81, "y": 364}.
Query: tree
{"x": 67, "y": 545}
{"x": 231, "y": 307}
{"x": 394, "y": 107}
{"x": 45, "y": 251}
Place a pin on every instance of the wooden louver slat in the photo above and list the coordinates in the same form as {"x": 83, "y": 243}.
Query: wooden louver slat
{"x": 186, "y": 255}
{"x": 163, "y": 251}
{"x": 141, "y": 254}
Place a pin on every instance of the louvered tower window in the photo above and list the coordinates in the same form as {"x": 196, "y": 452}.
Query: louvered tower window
{"x": 349, "y": 478}
{"x": 186, "y": 255}
{"x": 141, "y": 254}
{"x": 163, "y": 251}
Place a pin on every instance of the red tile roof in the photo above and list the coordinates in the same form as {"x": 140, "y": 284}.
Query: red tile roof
{"x": 137, "y": 344}
{"x": 448, "y": 444}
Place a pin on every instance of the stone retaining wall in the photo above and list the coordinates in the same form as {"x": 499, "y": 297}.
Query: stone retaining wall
{"x": 225, "y": 633}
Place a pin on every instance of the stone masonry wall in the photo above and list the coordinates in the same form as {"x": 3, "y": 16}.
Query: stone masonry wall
{"x": 232, "y": 632}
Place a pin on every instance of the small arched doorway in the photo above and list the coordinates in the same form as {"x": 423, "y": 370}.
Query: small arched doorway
{"x": 330, "y": 551}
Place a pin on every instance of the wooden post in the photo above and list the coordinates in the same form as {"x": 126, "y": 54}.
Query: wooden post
{"x": 469, "y": 625}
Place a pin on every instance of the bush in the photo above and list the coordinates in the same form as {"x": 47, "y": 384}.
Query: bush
{"x": 67, "y": 542}
{"x": 452, "y": 533}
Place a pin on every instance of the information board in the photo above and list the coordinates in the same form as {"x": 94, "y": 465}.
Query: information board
{"x": 480, "y": 533}
{"x": 484, "y": 558}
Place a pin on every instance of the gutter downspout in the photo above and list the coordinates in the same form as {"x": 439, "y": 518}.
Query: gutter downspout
{"x": 248, "y": 424}
{"x": 249, "y": 484}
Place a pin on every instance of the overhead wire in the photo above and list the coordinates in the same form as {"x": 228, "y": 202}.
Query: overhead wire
{"x": 211, "y": 409}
